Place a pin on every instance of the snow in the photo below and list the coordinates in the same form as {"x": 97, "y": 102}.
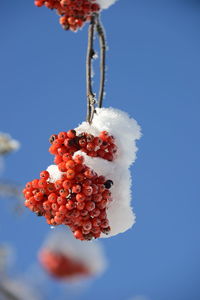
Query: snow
{"x": 7, "y": 144}
{"x": 126, "y": 131}
{"x": 104, "y": 4}
{"x": 90, "y": 254}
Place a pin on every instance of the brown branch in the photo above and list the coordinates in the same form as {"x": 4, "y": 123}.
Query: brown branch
{"x": 95, "y": 25}
{"x": 102, "y": 41}
{"x": 90, "y": 54}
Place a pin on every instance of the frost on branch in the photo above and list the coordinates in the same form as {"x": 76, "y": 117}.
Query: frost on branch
{"x": 104, "y": 4}
{"x": 89, "y": 187}
{"x": 68, "y": 259}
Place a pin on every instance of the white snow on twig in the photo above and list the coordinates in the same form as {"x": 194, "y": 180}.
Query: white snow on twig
{"x": 104, "y": 4}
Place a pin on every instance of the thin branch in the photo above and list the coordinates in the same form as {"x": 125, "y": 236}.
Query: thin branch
{"x": 90, "y": 54}
{"x": 7, "y": 294}
{"x": 102, "y": 41}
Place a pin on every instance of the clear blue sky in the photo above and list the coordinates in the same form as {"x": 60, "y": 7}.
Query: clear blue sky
{"x": 154, "y": 74}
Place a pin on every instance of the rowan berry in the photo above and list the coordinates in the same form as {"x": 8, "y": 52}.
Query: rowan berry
{"x": 87, "y": 225}
{"x": 66, "y": 157}
{"x": 90, "y": 205}
{"x": 104, "y": 135}
{"x": 52, "y": 138}
{"x": 70, "y": 164}
{"x": 39, "y": 3}
{"x": 54, "y": 206}
{"x": 70, "y": 174}
{"x": 67, "y": 184}
{"x": 79, "y": 159}
{"x": 52, "y": 197}
{"x": 78, "y": 235}
{"x": 76, "y": 188}
{"x": 58, "y": 184}
{"x": 63, "y": 193}
{"x": 62, "y": 166}
{"x": 70, "y": 205}
{"x": 88, "y": 190}
{"x": 47, "y": 205}
{"x": 29, "y": 186}
{"x": 42, "y": 183}
{"x": 80, "y": 205}
{"x": 44, "y": 174}
{"x": 80, "y": 197}
{"x": 71, "y": 134}
{"x": 62, "y": 135}
{"x": 61, "y": 200}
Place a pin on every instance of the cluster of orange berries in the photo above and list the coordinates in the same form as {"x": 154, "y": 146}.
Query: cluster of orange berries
{"x": 80, "y": 197}
{"x": 73, "y": 13}
{"x": 65, "y": 144}
{"x": 62, "y": 266}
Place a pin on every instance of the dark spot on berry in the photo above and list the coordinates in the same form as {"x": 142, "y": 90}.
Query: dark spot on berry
{"x": 108, "y": 184}
{"x": 106, "y": 230}
{"x": 52, "y": 138}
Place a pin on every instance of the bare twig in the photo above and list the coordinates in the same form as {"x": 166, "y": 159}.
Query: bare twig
{"x": 95, "y": 25}
{"x": 90, "y": 54}
{"x": 102, "y": 41}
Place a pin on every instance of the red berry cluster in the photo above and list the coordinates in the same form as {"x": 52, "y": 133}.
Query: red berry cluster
{"x": 74, "y": 13}
{"x": 80, "y": 198}
{"x": 65, "y": 144}
{"x": 62, "y": 266}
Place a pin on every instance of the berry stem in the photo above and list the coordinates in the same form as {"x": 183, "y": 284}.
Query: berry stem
{"x": 102, "y": 40}
{"x": 95, "y": 25}
{"x": 90, "y": 54}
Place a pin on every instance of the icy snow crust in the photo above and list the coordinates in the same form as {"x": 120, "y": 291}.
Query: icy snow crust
{"x": 104, "y": 4}
{"x": 90, "y": 254}
{"x": 125, "y": 131}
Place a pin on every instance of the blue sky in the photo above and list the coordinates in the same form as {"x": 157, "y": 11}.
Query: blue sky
{"x": 153, "y": 73}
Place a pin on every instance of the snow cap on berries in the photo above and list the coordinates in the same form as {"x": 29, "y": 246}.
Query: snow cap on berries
{"x": 104, "y": 4}
{"x": 91, "y": 255}
{"x": 125, "y": 131}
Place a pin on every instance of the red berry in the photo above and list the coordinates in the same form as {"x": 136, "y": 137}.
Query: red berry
{"x": 52, "y": 197}
{"x": 63, "y": 193}
{"x": 71, "y": 134}
{"x": 58, "y": 159}
{"x": 80, "y": 197}
{"x": 70, "y": 164}
{"x": 62, "y": 166}
{"x": 70, "y": 174}
{"x": 78, "y": 235}
{"x": 67, "y": 184}
{"x": 104, "y": 135}
{"x": 61, "y": 200}
{"x": 39, "y": 3}
{"x": 42, "y": 183}
{"x": 76, "y": 188}
{"x": 70, "y": 205}
{"x": 90, "y": 205}
{"x": 79, "y": 159}
{"x": 44, "y": 174}
{"x": 39, "y": 196}
{"x": 62, "y": 135}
